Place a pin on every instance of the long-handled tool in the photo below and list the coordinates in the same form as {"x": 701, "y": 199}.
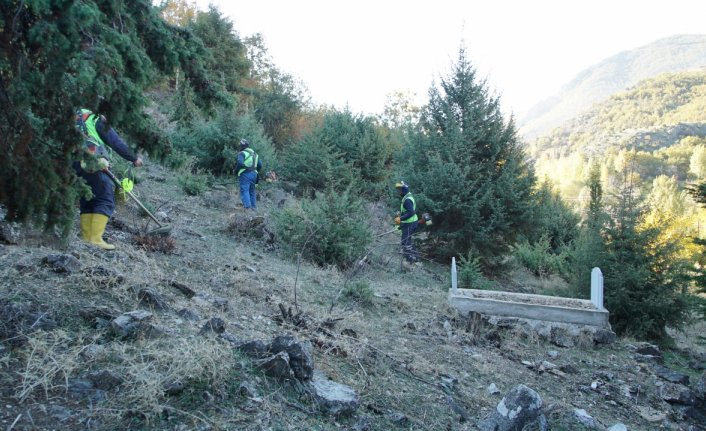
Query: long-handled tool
{"x": 424, "y": 220}
{"x": 161, "y": 230}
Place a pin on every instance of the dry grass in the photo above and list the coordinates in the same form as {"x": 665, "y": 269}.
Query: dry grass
{"x": 50, "y": 358}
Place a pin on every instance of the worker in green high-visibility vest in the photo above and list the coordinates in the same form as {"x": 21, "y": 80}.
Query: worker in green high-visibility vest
{"x": 247, "y": 169}
{"x": 408, "y": 221}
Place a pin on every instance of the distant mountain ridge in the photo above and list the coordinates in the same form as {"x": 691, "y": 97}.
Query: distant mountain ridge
{"x": 613, "y": 75}
{"x": 654, "y": 114}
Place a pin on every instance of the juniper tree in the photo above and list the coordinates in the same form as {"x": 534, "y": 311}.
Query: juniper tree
{"x": 59, "y": 55}
{"x": 465, "y": 165}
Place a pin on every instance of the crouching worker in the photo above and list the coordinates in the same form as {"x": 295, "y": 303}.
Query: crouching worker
{"x": 247, "y": 169}
{"x": 99, "y": 139}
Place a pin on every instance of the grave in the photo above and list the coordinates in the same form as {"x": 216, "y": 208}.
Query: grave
{"x": 538, "y": 307}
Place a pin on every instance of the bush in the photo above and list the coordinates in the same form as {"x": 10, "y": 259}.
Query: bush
{"x": 470, "y": 275}
{"x": 331, "y": 229}
{"x": 359, "y": 291}
{"x": 177, "y": 160}
{"x": 539, "y": 259}
{"x": 344, "y": 150}
{"x": 215, "y": 143}
{"x": 193, "y": 184}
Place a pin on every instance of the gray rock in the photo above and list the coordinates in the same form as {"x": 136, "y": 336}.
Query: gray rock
{"x": 561, "y": 337}
{"x": 647, "y": 359}
{"x": 173, "y": 387}
{"x": 333, "y": 398}
{"x": 492, "y": 389}
{"x": 618, "y": 427}
{"x": 520, "y": 408}
{"x": 699, "y": 388}
{"x": 215, "y": 324}
{"x": 129, "y": 324}
{"x": 276, "y": 366}
{"x": 9, "y": 233}
{"x": 254, "y": 348}
{"x": 585, "y": 419}
{"x": 62, "y": 263}
{"x": 150, "y": 298}
{"x": 188, "y": 314}
{"x": 220, "y": 304}
{"x": 604, "y": 336}
{"x": 229, "y": 338}
{"x": 644, "y": 348}
{"x": 670, "y": 375}
{"x": 677, "y": 394}
{"x": 300, "y": 357}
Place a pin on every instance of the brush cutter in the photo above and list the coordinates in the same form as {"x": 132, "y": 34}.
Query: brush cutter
{"x": 161, "y": 230}
{"x": 424, "y": 220}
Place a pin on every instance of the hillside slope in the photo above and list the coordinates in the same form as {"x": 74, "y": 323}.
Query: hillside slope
{"x": 615, "y": 74}
{"x": 413, "y": 361}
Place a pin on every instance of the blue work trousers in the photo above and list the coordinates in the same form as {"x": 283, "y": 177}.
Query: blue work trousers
{"x": 247, "y": 189}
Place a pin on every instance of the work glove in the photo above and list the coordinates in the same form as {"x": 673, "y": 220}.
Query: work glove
{"x": 397, "y": 220}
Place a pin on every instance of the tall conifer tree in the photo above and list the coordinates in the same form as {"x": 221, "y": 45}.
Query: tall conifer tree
{"x": 465, "y": 166}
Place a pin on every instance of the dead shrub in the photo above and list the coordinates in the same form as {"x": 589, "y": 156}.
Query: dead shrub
{"x": 160, "y": 243}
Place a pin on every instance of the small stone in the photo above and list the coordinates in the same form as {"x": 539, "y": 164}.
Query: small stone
{"x": 492, "y": 389}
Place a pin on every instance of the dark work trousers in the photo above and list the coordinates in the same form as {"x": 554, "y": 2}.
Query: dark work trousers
{"x": 408, "y": 250}
{"x": 103, "y": 189}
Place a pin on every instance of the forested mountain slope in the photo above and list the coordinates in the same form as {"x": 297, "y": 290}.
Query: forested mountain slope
{"x": 615, "y": 74}
{"x": 654, "y": 114}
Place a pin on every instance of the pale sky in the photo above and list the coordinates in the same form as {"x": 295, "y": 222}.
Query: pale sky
{"x": 355, "y": 53}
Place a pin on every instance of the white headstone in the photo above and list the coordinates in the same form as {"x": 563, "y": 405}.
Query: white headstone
{"x": 454, "y": 276}
{"x": 597, "y": 288}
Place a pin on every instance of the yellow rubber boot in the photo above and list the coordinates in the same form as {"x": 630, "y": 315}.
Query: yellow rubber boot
{"x": 86, "y": 220}
{"x": 98, "y": 222}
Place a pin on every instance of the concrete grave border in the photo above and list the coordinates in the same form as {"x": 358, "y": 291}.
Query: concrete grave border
{"x": 563, "y": 310}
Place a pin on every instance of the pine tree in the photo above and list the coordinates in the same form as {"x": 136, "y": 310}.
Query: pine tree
{"x": 464, "y": 165}
{"x": 57, "y": 56}
{"x": 644, "y": 276}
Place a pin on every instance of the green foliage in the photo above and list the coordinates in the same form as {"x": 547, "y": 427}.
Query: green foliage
{"x": 697, "y": 162}
{"x": 466, "y": 167}
{"x": 227, "y": 54}
{"x": 554, "y": 221}
{"x": 470, "y": 274}
{"x": 193, "y": 184}
{"x": 659, "y": 123}
{"x": 215, "y": 142}
{"x": 331, "y": 229}
{"x": 66, "y": 55}
{"x": 539, "y": 257}
{"x": 352, "y": 150}
{"x": 359, "y": 291}
{"x": 178, "y": 160}
{"x": 645, "y": 277}
{"x": 314, "y": 165}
